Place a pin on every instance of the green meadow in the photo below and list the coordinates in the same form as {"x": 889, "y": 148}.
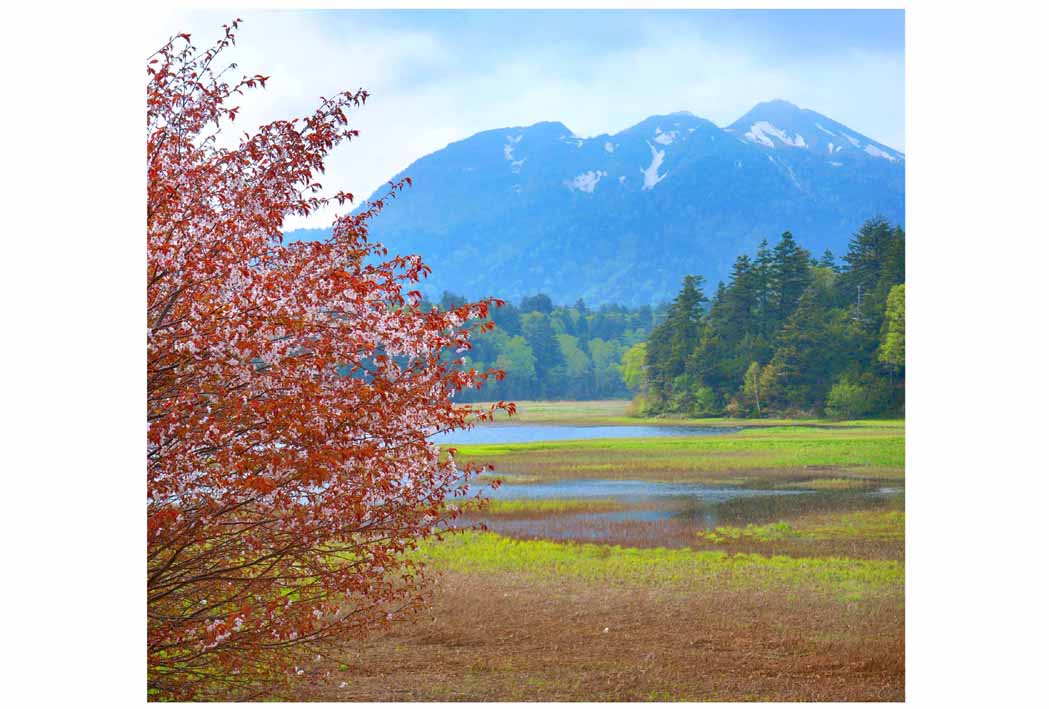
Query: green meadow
{"x": 843, "y": 578}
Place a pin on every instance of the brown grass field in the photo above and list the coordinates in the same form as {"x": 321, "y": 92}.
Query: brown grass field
{"x": 510, "y": 637}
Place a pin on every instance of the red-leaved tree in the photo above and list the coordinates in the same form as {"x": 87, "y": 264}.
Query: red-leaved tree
{"x": 291, "y": 391}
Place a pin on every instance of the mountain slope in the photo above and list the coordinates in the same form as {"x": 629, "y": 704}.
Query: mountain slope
{"x": 621, "y": 218}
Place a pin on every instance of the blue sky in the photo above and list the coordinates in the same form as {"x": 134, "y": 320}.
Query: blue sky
{"x": 441, "y": 76}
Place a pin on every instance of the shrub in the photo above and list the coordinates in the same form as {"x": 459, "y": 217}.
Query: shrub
{"x": 848, "y": 400}
{"x": 704, "y": 402}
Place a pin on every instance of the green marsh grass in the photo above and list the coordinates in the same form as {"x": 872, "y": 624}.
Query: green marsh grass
{"x": 874, "y": 525}
{"x": 483, "y": 552}
{"x": 855, "y": 451}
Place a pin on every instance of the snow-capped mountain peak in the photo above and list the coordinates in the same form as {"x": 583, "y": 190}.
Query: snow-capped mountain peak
{"x": 777, "y": 124}
{"x": 620, "y": 217}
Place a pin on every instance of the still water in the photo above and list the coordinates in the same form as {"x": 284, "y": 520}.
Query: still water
{"x": 654, "y": 513}
{"x": 630, "y": 491}
{"x": 528, "y": 433}
{"x": 665, "y": 514}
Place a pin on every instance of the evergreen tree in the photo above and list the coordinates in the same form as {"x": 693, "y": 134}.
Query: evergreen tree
{"x": 537, "y": 303}
{"x": 791, "y": 275}
{"x": 762, "y": 278}
{"x": 800, "y": 359}
{"x": 869, "y": 271}
{"x": 549, "y": 362}
{"x": 675, "y": 339}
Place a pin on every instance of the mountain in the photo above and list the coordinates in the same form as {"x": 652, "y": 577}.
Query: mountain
{"x": 622, "y": 218}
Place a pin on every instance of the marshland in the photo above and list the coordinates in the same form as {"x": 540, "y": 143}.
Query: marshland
{"x": 754, "y": 560}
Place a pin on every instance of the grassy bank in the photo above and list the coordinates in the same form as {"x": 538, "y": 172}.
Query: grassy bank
{"x": 789, "y": 454}
{"x": 684, "y": 569}
{"x": 613, "y": 412}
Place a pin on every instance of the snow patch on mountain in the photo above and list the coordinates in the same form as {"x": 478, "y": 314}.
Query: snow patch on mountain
{"x": 828, "y": 132}
{"x": 762, "y": 132}
{"x": 789, "y": 172}
{"x": 508, "y": 154}
{"x": 878, "y": 153}
{"x": 651, "y": 173}
{"x": 609, "y": 148}
{"x": 855, "y": 143}
{"x": 665, "y": 138}
{"x": 587, "y": 181}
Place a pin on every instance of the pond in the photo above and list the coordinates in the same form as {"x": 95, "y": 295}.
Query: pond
{"x": 629, "y": 491}
{"x": 663, "y": 514}
{"x": 529, "y": 433}
{"x": 644, "y": 513}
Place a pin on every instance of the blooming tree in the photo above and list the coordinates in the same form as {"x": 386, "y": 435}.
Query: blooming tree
{"x": 291, "y": 391}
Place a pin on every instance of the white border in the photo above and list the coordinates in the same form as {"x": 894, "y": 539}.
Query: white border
{"x": 73, "y": 303}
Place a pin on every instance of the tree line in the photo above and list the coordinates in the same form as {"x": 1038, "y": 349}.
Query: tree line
{"x": 552, "y": 351}
{"x": 788, "y": 335}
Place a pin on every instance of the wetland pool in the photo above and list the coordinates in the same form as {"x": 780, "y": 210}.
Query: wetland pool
{"x": 531, "y": 433}
{"x": 643, "y": 512}
{"x": 661, "y": 514}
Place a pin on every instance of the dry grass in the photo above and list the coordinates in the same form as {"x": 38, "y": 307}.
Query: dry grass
{"x": 511, "y": 637}
{"x": 613, "y": 412}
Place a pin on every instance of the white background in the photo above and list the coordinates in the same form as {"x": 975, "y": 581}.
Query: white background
{"x": 71, "y": 274}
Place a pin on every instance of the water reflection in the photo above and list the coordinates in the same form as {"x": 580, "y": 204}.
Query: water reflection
{"x": 665, "y": 514}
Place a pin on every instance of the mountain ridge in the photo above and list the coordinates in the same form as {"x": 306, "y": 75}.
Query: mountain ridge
{"x": 622, "y": 217}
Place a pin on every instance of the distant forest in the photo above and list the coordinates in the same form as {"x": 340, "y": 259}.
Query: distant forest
{"x": 788, "y": 335}
{"x": 556, "y": 352}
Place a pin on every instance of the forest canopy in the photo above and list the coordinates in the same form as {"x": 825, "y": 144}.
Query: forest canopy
{"x": 789, "y": 335}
